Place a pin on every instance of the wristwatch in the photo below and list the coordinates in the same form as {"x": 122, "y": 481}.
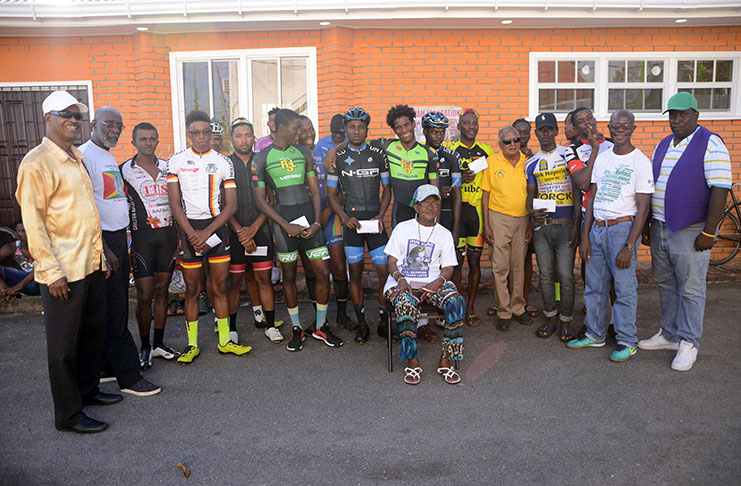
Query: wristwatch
{"x": 630, "y": 247}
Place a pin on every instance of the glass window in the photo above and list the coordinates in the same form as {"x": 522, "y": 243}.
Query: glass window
{"x": 565, "y": 84}
{"x": 195, "y": 87}
{"x": 264, "y": 92}
{"x": 632, "y": 85}
{"x": 710, "y": 80}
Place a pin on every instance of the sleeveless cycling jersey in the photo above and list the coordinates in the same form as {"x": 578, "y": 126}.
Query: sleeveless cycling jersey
{"x": 471, "y": 191}
{"x": 285, "y": 172}
{"x": 148, "y": 204}
{"x": 359, "y": 174}
{"x": 409, "y": 169}
{"x": 201, "y": 177}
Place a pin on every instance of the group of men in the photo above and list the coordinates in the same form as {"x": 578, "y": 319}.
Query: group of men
{"x": 286, "y": 197}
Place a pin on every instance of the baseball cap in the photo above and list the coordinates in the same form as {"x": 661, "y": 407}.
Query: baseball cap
{"x": 61, "y": 100}
{"x": 682, "y": 101}
{"x": 423, "y": 192}
{"x": 546, "y": 120}
{"x": 337, "y": 124}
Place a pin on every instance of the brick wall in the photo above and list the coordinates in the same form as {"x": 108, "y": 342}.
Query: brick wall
{"x": 374, "y": 68}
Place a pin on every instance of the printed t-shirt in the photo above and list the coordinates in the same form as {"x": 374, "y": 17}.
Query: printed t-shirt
{"x": 108, "y": 186}
{"x": 618, "y": 179}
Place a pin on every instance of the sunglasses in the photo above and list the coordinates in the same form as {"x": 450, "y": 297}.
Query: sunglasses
{"x": 67, "y": 114}
{"x": 514, "y": 140}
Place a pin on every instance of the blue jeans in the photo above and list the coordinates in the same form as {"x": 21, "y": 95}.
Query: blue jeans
{"x": 548, "y": 239}
{"x": 13, "y": 277}
{"x": 607, "y": 242}
{"x": 680, "y": 272}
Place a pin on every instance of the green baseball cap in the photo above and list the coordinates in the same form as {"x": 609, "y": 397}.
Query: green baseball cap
{"x": 682, "y": 101}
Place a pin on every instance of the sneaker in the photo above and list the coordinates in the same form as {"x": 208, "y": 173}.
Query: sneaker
{"x": 622, "y": 353}
{"x": 234, "y": 337}
{"x": 234, "y": 348}
{"x": 584, "y": 342}
{"x": 273, "y": 334}
{"x": 189, "y": 354}
{"x": 106, "y": 377}
{"x": 296, "y": 343}
{"x": 657, "y": 341}
{"x": 142, "y": 388}
{"x": 325, "y": 334}
{"x": 685, "y": 357}
{"x": 145, "y": 358}
{"x": 164, "y": 352}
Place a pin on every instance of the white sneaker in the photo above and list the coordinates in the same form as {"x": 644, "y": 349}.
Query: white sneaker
{"x": 273, "y": 334}
{"x": 685, "y": 358}
{"x": 234, "y": 336}
{"x": 657, "y": 341}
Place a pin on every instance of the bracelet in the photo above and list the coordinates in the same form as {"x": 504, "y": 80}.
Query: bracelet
{"x": 315, "y": 223}
{"x": 709, "y": 236}
{"x": 445, "y": 280}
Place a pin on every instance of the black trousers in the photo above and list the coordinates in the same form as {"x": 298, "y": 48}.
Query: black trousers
{"x": 121, "y": 356}
{"x": 74, "y": 345}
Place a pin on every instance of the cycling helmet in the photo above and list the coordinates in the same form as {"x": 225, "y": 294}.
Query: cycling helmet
{"x": 216, "y": 128}
{"x": 434, "y": 119}
{"x": 357, "y": 114}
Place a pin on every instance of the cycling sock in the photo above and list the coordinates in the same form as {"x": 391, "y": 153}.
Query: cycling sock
{"x": 159, "y": 335}
{"x": 192, "y": 328}
{"x": 321, "y": 315}
{"x": 233, "y": 322}
{"x": 270, "y": 318}
{"x": 360, "y": 312}
{"x": 259, "y": 314}
{"x": 293, "y": 314}
{"x": 145, "y": 340}
{"x": 223, "y": 323}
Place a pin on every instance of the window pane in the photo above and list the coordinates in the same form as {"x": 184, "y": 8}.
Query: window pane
{"x": 546, "y": 71}
{"x": 703, "y": 98}
{"x": 226, "y": 92}
{"x": 195, "y": 87}
{"x": 655, "y": 71}
{"x": 685, "y": 71}
{"x": 546, "y": 100}
{"x": 585, "y": 97}
{"x": 293, "y": 84}
{"x": 704, "y": 72}
{"x": 723, "y": 70}
{"x": 636, "y": 72}
{"x": 721, "y": 98}
{"x": 565, "y": 99}
{"x": 652, "y": 99}
{"x": 634, "y": 99}
{"x": 264, "y": 92}
{"x": 566, "y": 71}
{"x": 616, "y": 71}
{"x": 615, "y": 99}
{"x": 585, "y": 73}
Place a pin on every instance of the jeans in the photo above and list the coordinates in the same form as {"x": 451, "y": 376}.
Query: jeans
{"x": 548, "y": 239}
{"x": 680, "y": 272}
{"x": 607, "y": 242}
{"x": 13, "y": 277}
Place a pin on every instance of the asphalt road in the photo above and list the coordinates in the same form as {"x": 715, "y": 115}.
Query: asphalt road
{"x": 530, "y": 411}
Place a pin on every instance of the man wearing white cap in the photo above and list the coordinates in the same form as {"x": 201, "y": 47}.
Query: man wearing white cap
{"x": 64, "y": 237}
{"x": 421, "y": 261}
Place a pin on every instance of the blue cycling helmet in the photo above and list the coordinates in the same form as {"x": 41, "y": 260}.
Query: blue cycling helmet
{"x": 357, "y": 114}
{"x": 435, "y": 119}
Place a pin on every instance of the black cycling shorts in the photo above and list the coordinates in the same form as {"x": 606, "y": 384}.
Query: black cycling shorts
{"x": 355, "y": 243}
{"x": 287, "y": 247}
{"x": 471, "y": 229}
{"x": 153, "y": 251}
{"x": 240, "y": 262}
{"x": 401, "y": 212}
{"x": 217, "y": 254}
{"x": 446, "y": 219}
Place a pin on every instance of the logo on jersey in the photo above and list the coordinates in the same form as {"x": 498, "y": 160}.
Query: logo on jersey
{"x": 373, "y": 172}
{"x": 322, "y": 253}
{"x": 112, "y": 185}
{"x": 543, "y": 166}
{"x": 349, "y": 160}
{"x": 211, "y": 168}
{"x": 287, "y": 165}
{"x": 190, "y": 162}
{"x": 407, "y": 165}
{"x": 444, "y": 172}
{"x": 152, "y": 190}
{"x": 500, "y": 174}
{"x": 370, "y": 159}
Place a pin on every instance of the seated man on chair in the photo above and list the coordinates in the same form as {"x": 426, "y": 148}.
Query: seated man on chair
{"x": 421, "y": 260}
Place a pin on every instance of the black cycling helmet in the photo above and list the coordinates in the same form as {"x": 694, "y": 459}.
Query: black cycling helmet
{"x": 435, "y": 119}
{"x": 357, "y": 114}
{"x": 216, "y": 128}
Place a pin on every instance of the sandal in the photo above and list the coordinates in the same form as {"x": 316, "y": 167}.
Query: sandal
{"x": 532, "y": 310}
{"x": 473, "y": 320}
{"x": 564, "y": 333}
{"x": 492, "y": 311}
{"x": 450, "y": 376}
{"x": 426, "y": 334}
{"x": 412, "y": 375}
{"x": 546, "y": 330}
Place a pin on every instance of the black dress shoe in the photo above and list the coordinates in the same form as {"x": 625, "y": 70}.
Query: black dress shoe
{"x": 103, "y": 399}
{"x": 85, "y": 426}
{"x": 504, "y": 325}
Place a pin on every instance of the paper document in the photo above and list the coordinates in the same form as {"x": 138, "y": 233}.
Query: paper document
{"x": 369, "y": 226}
{"x": 259, "y": 251}
{"x": 548, "y": 204}
{"x": 213, "y": 241}
{"x": 478, "y": 165}
{"x": 302, "y": 221}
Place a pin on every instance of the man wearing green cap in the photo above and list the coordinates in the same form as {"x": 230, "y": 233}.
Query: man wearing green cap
{"x": 692, "y": 173}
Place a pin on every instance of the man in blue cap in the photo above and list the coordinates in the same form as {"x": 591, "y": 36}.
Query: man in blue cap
{"x": 692, "y": 173}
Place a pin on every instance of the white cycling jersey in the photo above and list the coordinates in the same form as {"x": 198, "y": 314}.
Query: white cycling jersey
{"x": 148, "y": 204}
{"x": 201, "y": 177}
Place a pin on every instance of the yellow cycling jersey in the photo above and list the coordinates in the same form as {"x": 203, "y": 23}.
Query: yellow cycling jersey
{"x": 471, "y": 191}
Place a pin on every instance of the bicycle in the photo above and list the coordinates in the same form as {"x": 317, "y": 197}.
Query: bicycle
{"x": 728, "y": 238}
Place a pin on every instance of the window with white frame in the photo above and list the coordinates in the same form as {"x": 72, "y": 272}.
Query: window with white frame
{"x": 249, "y": 83}
{"x": 640, "y": 82}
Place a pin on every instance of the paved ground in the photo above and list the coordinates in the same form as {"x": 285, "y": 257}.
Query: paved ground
{"x": 529, "y": 411}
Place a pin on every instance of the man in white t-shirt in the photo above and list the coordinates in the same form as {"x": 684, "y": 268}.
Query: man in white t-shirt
{"x": 619, "y": 201}
{"x": 120, "y": 356}
{"x": 421, "y": 260}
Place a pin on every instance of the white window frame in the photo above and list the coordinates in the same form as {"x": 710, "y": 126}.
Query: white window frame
{"x": 565, "y": 85}
{"x": 243, "y": 56}
{"x": 60, "y": 85}
{"x": 669, "y": 86}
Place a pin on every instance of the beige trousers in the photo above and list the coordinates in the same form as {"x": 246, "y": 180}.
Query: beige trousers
{"x": 508, "y": 262}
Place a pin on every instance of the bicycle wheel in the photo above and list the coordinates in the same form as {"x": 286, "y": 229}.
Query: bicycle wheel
{"x": 728, "y": 241}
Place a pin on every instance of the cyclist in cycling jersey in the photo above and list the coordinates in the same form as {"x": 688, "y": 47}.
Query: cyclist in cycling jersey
{"x": 217, "y": 135}
{"x": 154, "y": 240}
{"x": 524, "y": 128}
{"x": 195, "y": 179}
{"x": 360, "y": 171}
{"x": 286, "y": 169}
{"x": 434, "y": 125}
{"x": 471, "y": 230}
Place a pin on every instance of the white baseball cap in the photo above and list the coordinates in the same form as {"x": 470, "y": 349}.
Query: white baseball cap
{"x": 423, "y": 192}
{"x": 61, "y": 100}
